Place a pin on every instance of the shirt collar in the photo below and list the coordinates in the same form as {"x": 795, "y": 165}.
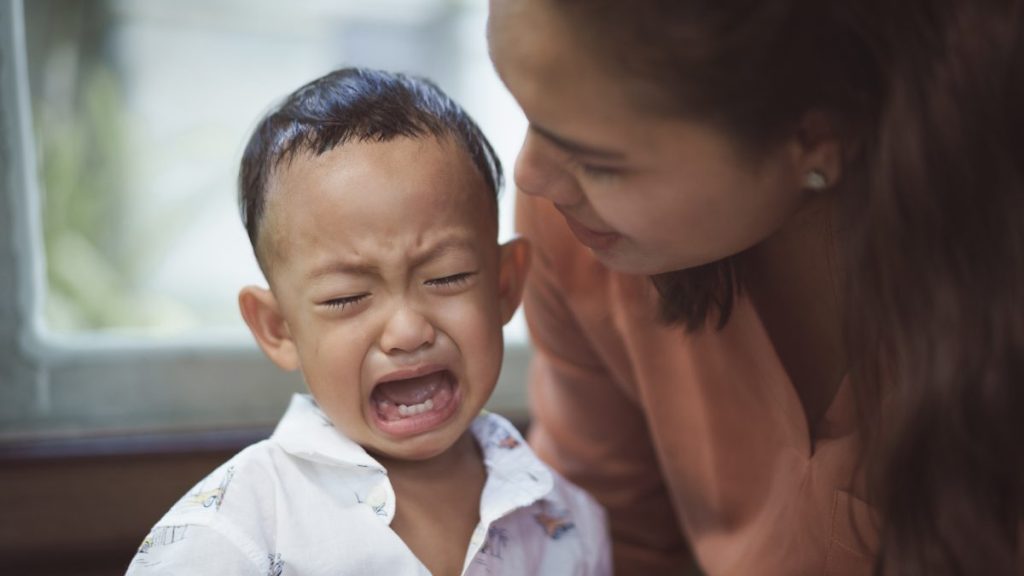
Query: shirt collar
{"x": 515, "y": 476}
{"x": 305, "y": 432}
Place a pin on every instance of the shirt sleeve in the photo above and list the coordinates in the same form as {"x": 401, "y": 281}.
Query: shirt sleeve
{"x": 584, "y": 424}
{"x": 198, "y": 550}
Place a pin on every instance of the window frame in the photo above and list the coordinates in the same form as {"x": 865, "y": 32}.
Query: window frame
{"x": 95, "y": 384}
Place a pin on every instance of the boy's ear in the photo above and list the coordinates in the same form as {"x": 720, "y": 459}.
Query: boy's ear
{"x": 263, "y": 316}
{"x": 515, "y": 264}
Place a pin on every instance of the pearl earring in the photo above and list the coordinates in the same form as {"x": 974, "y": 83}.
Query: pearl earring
{"x": 816, "y": 180}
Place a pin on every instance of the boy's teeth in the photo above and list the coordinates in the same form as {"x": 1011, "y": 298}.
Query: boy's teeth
{"x": 415, "y": 408}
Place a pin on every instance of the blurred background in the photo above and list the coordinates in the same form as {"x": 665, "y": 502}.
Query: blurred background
{"x": 126, "y": 373}
{"x": 141, "y": 109}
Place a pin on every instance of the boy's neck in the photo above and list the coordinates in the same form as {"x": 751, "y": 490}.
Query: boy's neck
{"x": 438, "y": 503}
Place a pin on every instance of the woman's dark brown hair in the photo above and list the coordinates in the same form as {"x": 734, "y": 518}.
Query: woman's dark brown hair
{"x": 929, "y": 97}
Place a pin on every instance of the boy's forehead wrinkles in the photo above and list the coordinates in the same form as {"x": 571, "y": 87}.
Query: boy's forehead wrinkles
{"x": 447, "y": 243}
{"x": 418, "y": 256}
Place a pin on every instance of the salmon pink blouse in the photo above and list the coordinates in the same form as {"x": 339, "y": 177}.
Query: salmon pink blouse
{"x": 697, "y": 444}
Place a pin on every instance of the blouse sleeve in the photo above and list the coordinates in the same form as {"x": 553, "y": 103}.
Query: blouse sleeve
{"x": 584, "y": 424}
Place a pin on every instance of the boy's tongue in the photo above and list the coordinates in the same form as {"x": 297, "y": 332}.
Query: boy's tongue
{"x": 412, "y": 390}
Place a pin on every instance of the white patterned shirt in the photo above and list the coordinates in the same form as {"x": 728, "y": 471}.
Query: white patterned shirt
{"x": 309, "y": 501}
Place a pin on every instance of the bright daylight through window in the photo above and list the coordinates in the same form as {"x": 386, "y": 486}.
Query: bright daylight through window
{"x": 141, "y": 108}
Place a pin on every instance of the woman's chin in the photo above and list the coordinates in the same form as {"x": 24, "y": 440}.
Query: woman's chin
{"x": 625, "y": 261}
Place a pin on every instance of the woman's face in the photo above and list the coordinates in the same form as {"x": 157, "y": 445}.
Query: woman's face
{"x": 647, "y": 193}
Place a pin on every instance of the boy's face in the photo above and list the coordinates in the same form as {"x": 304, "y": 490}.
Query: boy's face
{"x": 389, "y": 289}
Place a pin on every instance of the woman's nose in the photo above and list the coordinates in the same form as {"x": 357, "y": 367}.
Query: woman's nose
{"x": 406, "y": 331}
{"x": 540, "y": 171}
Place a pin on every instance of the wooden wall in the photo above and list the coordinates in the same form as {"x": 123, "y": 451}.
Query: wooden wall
{"x": 82, "y": 507}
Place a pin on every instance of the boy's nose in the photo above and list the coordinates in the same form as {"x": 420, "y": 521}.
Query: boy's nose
{"x": 406, "y": 331}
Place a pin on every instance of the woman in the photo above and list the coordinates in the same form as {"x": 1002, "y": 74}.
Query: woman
{"x": 829, "y": 198}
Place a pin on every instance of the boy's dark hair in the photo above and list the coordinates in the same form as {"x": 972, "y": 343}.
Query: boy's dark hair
{"x": 353, "y": 104}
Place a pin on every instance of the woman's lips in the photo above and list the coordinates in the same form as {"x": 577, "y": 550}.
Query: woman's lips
{"x": 591, "y": 238}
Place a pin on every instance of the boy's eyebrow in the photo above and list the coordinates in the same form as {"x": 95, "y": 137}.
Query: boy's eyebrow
{"x": 341, "y": 267}
{"x": 576, "y": 147}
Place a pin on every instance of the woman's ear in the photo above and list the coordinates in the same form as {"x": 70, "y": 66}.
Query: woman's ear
{"x": 514, "y": 266}
{"x": 820, "y": 148}
{"x": 262, "y": 314}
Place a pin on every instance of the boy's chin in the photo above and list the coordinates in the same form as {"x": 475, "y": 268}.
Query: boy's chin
{"x": 423, "y": 449}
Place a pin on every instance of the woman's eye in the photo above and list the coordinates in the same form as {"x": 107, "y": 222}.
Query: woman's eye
{"x": 453, "y": 280}
{"x": 599, "y": 171}
{"x": 344, "y": 302}
{"x": 596, "y": 171}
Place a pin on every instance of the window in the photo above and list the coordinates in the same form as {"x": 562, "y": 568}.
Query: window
{"x": 121, "y": 251}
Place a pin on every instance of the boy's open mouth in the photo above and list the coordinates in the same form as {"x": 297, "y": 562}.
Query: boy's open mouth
{"x": 414, "y": 404}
